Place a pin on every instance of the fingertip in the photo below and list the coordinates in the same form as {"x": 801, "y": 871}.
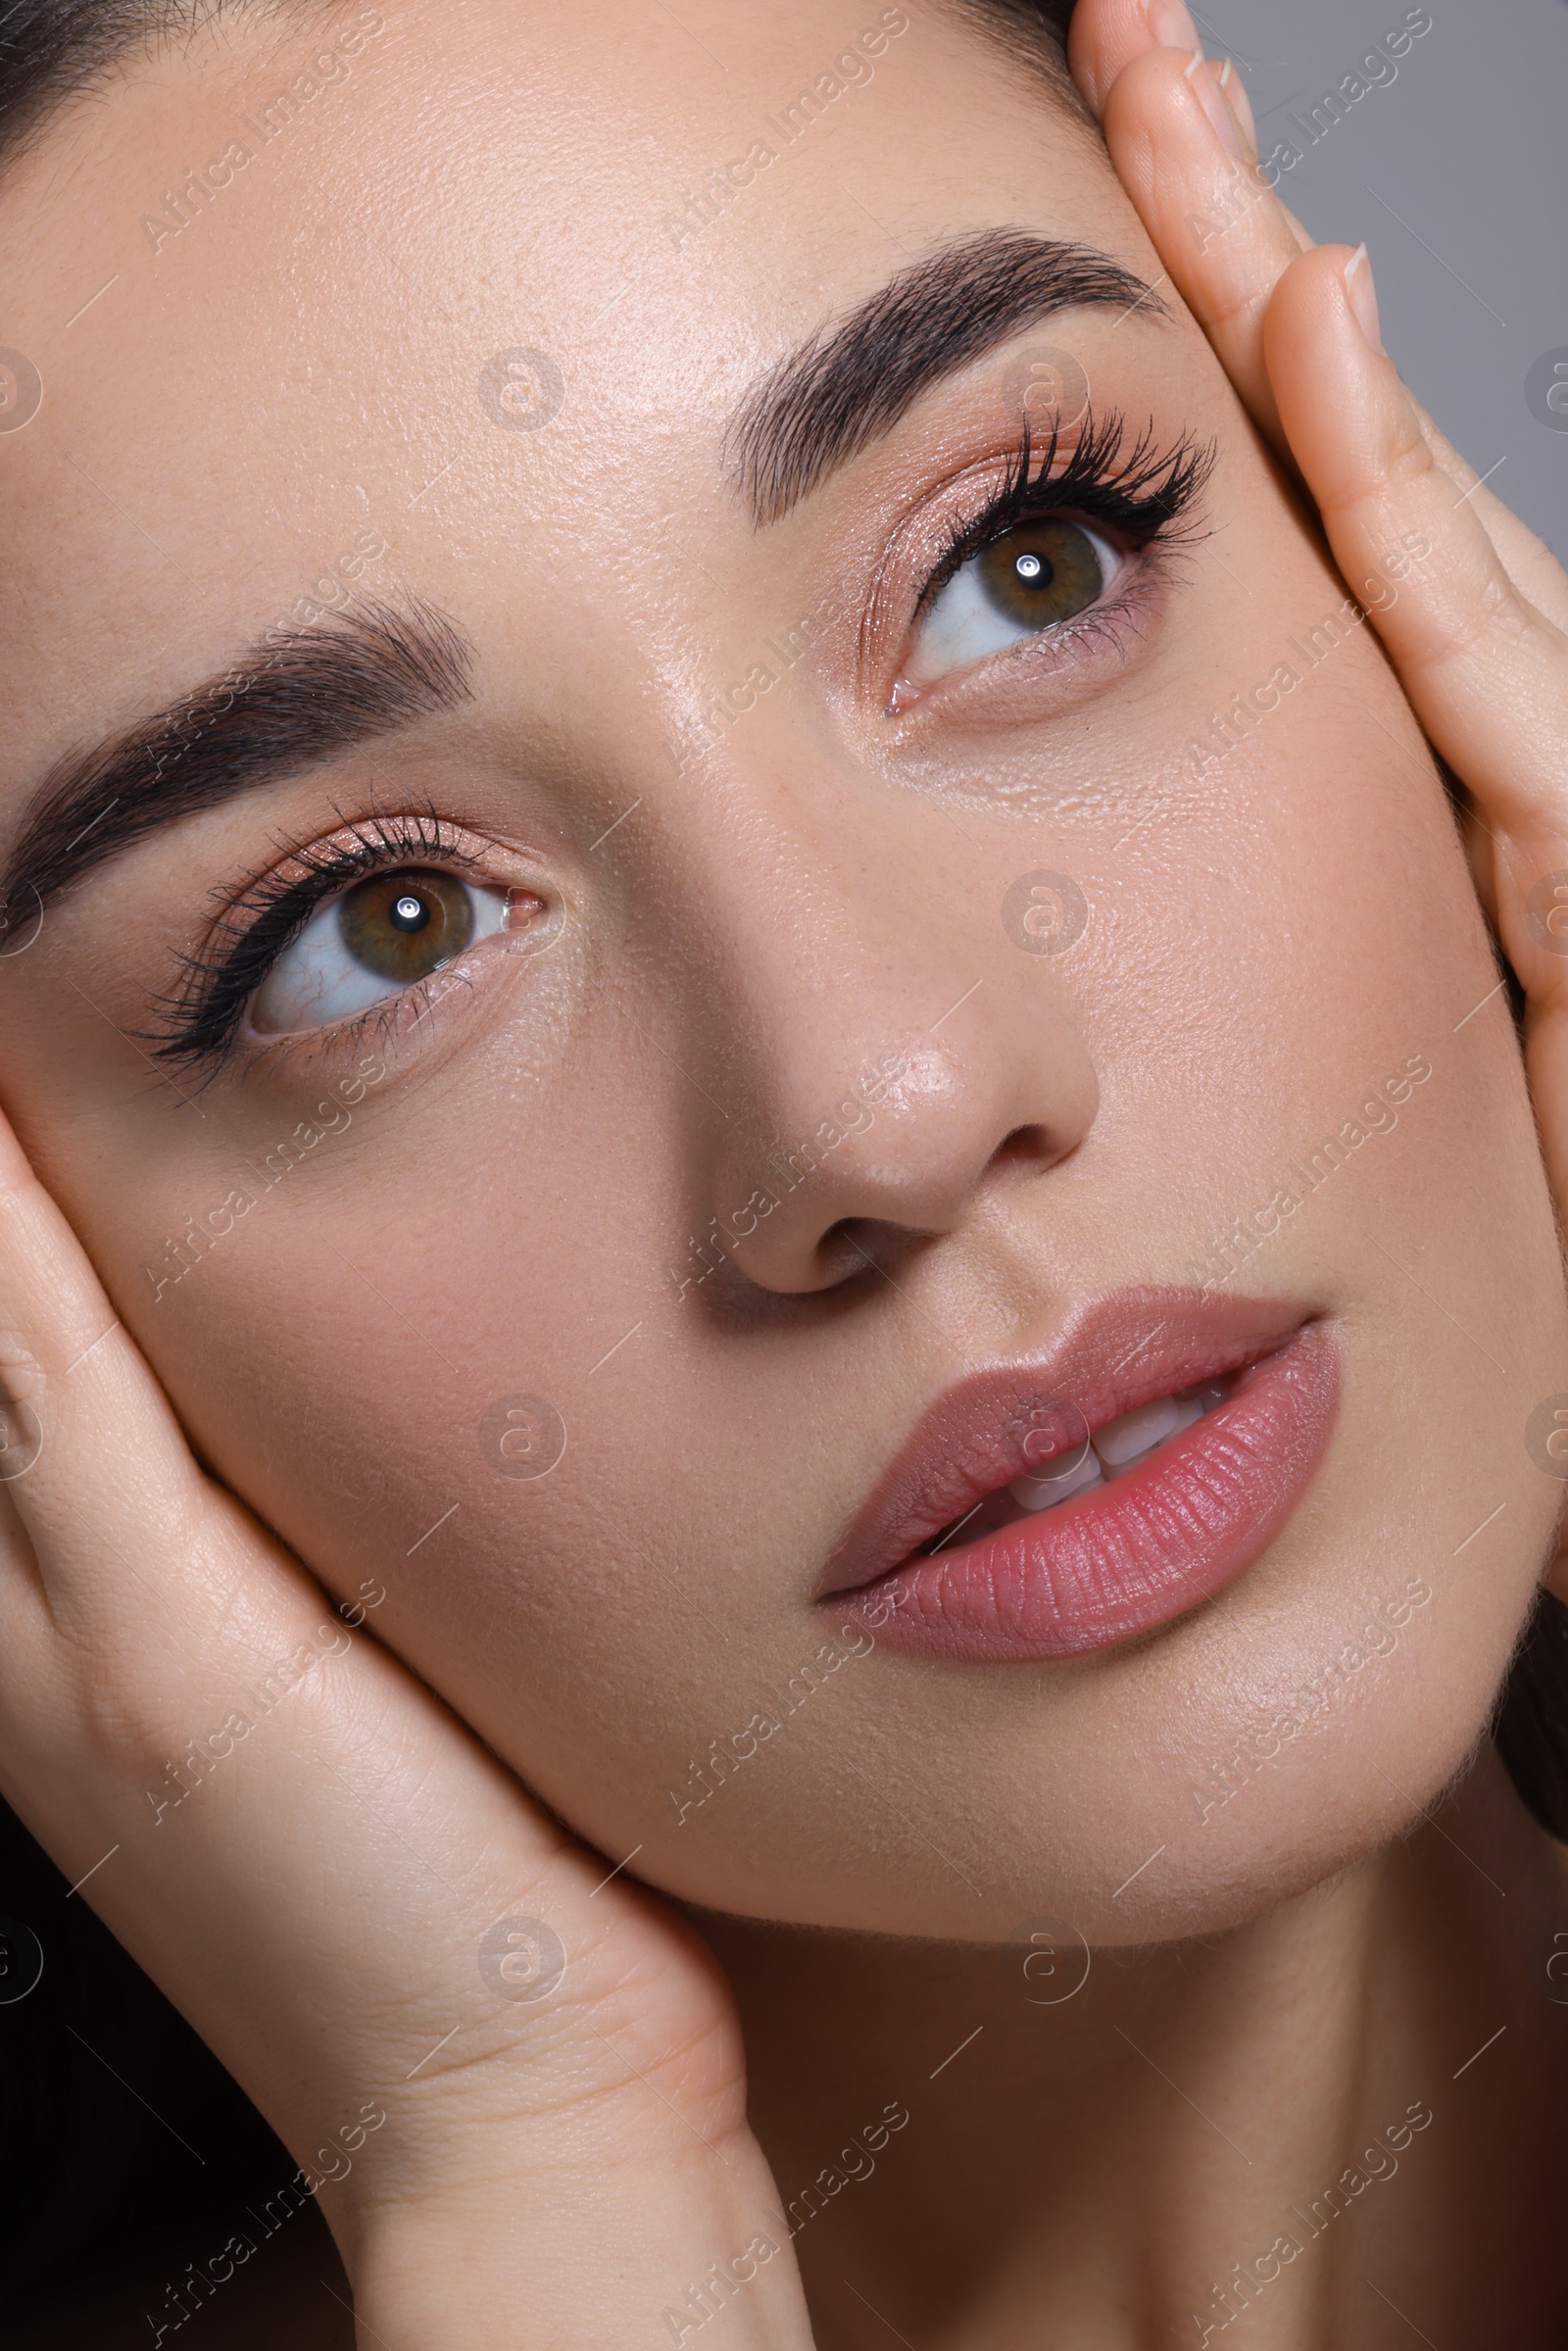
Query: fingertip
{"x": 1325, "y": 298}
{"x": 1346, "y": 414}
{"x": 1106, "y": 35}
{"x": 1234, "y": 91}
{"x": 1362, "y": 297}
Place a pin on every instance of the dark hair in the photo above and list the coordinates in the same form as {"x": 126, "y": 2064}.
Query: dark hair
{"x": 87, "y": 2055}
{"x": 1531, "y": 1724}
{"x": 52, "y": 51}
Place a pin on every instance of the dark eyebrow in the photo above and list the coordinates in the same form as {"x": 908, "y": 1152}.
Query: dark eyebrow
{"x": 830, "y": 398}
{"x": 287, "y": 706}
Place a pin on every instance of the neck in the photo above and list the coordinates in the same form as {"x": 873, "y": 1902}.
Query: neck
{"x": 1345, "y": 2119}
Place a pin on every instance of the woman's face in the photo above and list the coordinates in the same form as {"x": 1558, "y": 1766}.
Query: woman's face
{"x": 776, "y": 969}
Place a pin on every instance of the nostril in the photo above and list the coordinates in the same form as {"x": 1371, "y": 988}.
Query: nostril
{"x": 864, "y": 1248}
{"x": 1026, "y": 1144}
{"x": 844, "y": 1247}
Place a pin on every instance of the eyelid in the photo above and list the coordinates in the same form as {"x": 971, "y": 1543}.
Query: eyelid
{"x": 260, "y": 917}
{"x": 922, "y": 669}
{"x": 1140, "y": 489}
{"x": 1137, "y": 494}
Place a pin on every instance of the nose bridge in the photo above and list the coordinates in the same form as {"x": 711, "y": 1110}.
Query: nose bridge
{"x": 819, "y": 943}
{"x": 879, "y": 1041}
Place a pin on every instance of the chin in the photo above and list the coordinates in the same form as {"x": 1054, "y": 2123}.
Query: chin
{"x": 1187, "y": 1786}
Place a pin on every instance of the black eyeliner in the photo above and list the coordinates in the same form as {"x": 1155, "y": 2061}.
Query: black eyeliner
{"x": 201, "y": 1016}
{"x": 1142, "y": 495}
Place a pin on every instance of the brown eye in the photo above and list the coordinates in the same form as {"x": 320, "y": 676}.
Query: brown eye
{"x": 1027, "y": 581}
{"x": 384, "y": 935}
{"x": 1042, "y": 572}
{"x": 403, "y": 926}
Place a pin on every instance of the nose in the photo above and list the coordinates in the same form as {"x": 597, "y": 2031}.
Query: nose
{"x": 901, "y": 1060}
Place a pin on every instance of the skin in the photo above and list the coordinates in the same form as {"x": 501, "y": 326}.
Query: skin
{"x": 808, "y": 899}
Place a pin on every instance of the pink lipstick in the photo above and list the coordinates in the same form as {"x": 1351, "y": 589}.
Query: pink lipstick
{"x": 1130, "y": 1471}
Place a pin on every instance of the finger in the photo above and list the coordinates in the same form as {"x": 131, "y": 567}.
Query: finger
{"x": 1481, "y": 665}
{"x": 296, "y": 1839}
{"x": 1180, "y": 137}
{"x": 129, "y": 1575}
{"x": 1530, "y": 563}
{"x": 1186, "y": 158}
{"x": 92, "y": 1448}
{"x": 185, "y": 1721}
{"x": 1485, "y": 667}
{"x": 1105, "y": 36}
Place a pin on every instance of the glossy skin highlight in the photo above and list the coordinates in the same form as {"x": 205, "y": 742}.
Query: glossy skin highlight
{"x": 569, "y": 1182}
{"x": 733, "y": 962}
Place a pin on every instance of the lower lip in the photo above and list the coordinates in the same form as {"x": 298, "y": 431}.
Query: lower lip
{"x": 1131, "y": 1557}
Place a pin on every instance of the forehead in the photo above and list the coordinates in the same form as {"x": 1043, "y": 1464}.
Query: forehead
{"x": 456, "y": 282}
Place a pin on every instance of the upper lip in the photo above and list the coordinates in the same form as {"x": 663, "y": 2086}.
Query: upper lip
{"x": 1113, "y": 1354}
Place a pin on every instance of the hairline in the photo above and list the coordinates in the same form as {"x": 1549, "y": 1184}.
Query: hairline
{"x": 91, "y": 66}
{"x": 1027, "y": 34}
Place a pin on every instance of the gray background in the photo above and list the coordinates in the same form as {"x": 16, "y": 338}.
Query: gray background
{"x": 1469, "y": 147}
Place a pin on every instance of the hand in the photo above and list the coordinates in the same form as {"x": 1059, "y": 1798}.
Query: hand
{"x": 317, "y": 1883}
{"x": 1475, "y": 627}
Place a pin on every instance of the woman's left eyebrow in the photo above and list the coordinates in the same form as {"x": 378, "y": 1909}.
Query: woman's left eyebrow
{"x": 848, "y": 384}
{"x": 288, "y": 705}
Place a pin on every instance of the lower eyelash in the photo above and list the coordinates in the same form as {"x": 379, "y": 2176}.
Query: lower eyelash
{"x": 381, "y": 1023}
{"x": 1115, "y": 622}
{"x": 201, "y": 1017}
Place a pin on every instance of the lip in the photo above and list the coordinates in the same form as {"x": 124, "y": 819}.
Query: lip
{"x": 1109, "y": 1565}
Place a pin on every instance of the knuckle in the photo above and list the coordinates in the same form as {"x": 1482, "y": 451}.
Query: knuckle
{"x": 21, "y": 1375}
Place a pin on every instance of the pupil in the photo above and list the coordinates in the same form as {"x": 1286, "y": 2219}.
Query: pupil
{"x": 409, "y": 913}
{"x": 1034, "y": 569}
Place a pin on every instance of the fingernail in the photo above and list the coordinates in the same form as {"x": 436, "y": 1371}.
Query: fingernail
{"x": 1241, "y": 105}
{"x": 1362, "y": 296}
{"x": 1170, "y": 25}
{"x": 1221, "y": 121}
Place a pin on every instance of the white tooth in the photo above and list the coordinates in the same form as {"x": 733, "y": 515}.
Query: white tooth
{"x": 1187, "y": 1409}
{"x": 1041, "y": 1490}
{"x": 1121, "y": 1442}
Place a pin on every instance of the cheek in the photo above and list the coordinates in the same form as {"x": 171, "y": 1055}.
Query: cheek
{"x": 422, "y": 1361}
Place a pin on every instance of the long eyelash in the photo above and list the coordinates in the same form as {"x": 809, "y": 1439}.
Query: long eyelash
{"x": 1143, "y": 494}
{"x": 201, "y": 1016}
